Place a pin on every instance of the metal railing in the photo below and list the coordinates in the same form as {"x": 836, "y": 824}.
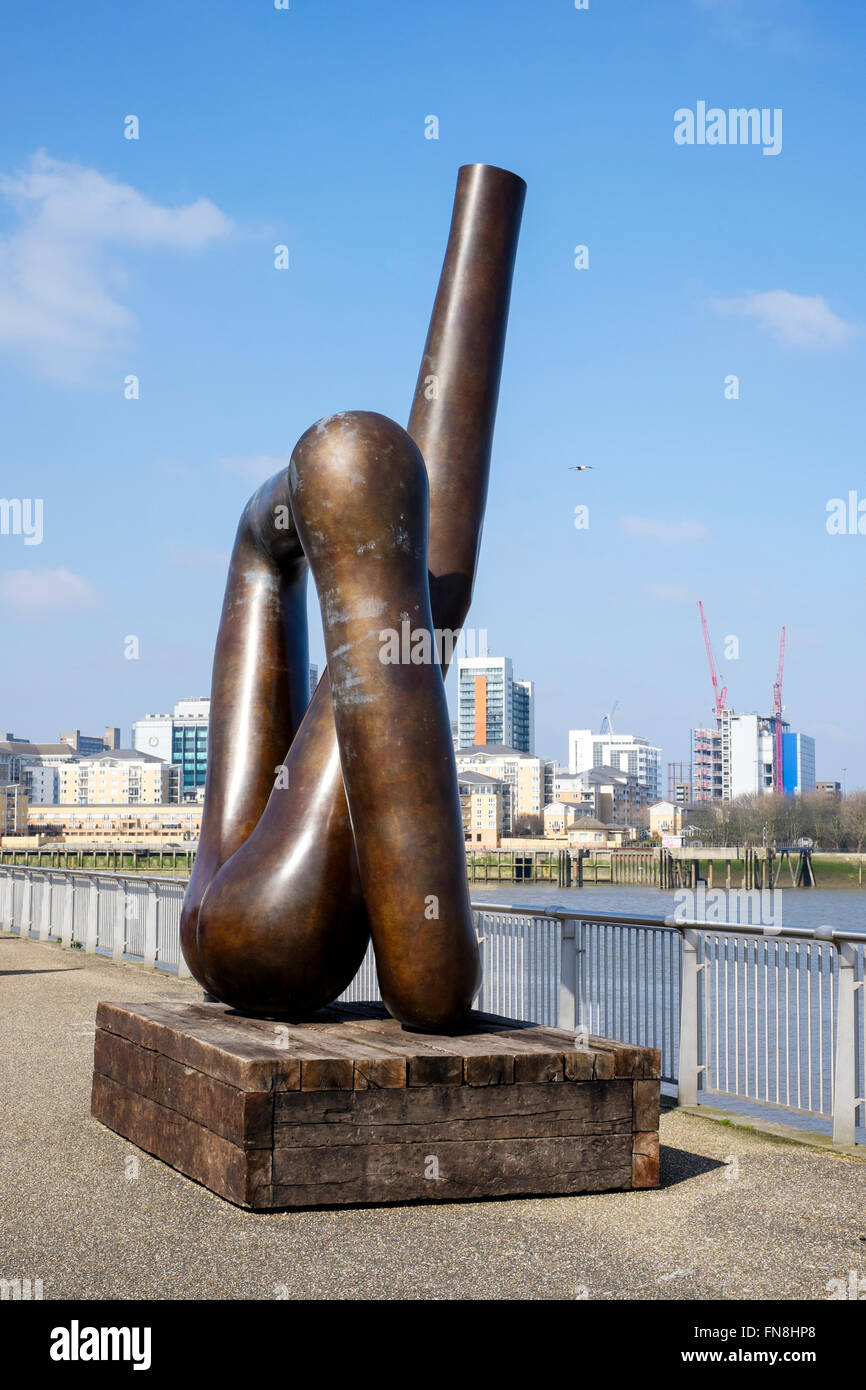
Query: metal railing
{"x": 133, "y": 917}
{"x": 739, "y": 1012}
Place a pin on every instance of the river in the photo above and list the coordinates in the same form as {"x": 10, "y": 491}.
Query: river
{"x": 844, "y": 908}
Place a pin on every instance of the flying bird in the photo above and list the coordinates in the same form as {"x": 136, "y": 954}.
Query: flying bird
{"x": 579, "y": 467}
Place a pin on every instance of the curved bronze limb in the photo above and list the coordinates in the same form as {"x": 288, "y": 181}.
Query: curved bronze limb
{"x": 279, "y": 870}
{"x": 359, "y": 496}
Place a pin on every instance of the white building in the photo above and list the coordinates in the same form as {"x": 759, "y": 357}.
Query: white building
{"x": 121, "y": 777}
{"x": 625, "y": 752}
{"x": 606, "y": 793}
{"x": 739, "y": 759}
{"x": 34, "y": 766}
{"x": 752, "y": 754}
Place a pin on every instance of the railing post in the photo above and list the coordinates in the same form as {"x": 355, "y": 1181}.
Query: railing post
{"x": 67, "y": 912}
{"x": 567, "y": 1015}
{"x": 844, "y": 1069}
{"x": 687, "y": 1080}
{"x": 151, "y": 925}
{"x": 47, "y": 904}
{"x": 119, "y": 936}
{"x": 184, "y": 972}
{"x": 91, "y": 928}
{"x": 26, "y": 906}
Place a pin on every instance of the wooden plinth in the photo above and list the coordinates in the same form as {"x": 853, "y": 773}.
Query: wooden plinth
{"x": 349, "y": 1107}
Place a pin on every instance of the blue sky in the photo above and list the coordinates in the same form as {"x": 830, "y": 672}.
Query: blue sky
{"x": 305, "y": 127}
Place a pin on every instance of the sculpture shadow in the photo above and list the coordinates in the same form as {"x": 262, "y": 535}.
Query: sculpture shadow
{"x": 61, "y": 970}
{"x": 681, "y": 1165}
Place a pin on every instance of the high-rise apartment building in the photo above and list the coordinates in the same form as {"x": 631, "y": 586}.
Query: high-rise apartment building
{"x": 624, "y": 752}
{"x": 180, "y": 738}
{"x": 493, "y": 707}
{"x": 706, "y": 760}
{"x": 798, "y": 764}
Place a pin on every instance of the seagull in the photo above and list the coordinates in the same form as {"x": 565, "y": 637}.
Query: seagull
{"x": 579, "y": 467}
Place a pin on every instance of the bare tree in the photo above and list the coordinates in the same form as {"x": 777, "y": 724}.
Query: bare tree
{"x": 853, "y": 814}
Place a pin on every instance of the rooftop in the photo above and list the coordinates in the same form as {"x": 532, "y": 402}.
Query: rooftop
{"x": 479, "y": 778}
{"x": 112, "y": 755}
{"x": 493, "y": 750}
{"x": 605, "y": 773}
{"x": 20, "y": 748}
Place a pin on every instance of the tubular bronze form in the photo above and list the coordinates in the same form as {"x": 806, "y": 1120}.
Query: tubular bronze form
{"x": 323, "y": 827}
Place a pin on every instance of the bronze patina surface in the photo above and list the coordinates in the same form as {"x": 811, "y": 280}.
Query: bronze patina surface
{"x": 323, "y": 827}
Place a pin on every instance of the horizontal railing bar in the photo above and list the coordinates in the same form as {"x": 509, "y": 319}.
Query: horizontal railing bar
{"x": 93, "y": 873}
{"x": 669, "y": 923}
{"x": 652, "y": 923}
{"x": 817, "y": 934}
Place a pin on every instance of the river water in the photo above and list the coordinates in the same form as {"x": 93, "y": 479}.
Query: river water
{"x": 844, "y": 908}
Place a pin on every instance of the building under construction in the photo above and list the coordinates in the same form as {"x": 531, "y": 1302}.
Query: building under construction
{"x": 749, "y": 754}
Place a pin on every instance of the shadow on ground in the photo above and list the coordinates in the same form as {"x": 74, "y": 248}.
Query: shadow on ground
{"x": 63, "y": 970}
{"x": 678, "y": 1165}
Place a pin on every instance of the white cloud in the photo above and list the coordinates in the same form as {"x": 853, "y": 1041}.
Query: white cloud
{"x": 672, "y": 593}
{"x": 58, "y": 282}
{"x": 798, "y": 320}
{"x": 663, "y": 530}
{"x": 258, "y": 468}
{"x": 32, "y": 593}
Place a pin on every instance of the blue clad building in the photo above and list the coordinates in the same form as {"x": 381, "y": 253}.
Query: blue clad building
{"x": 798, "y": 764}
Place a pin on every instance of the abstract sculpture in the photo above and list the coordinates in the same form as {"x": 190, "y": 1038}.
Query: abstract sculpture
{"x": 326, "y": 827}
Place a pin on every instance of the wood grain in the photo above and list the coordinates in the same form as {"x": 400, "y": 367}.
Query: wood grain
{"x": 349, "y": 1107}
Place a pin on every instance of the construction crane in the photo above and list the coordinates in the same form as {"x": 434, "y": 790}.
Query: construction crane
{"x": 609, "y": 718}
{"x": 777, "y": 711}
{"x": 721, "y": 693}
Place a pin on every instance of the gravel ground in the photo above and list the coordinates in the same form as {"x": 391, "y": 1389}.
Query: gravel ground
{"x": 739, "y": 1215}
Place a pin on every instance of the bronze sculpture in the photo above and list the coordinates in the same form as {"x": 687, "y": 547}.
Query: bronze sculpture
{"x": 356, "y": 829}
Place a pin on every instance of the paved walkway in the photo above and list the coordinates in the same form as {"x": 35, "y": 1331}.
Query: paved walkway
{"x": 739, "y": 1215}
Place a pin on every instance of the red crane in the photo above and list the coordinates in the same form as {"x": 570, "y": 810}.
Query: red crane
{"x": 721, "y": 694}
{"x": 777, "y": 711}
